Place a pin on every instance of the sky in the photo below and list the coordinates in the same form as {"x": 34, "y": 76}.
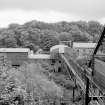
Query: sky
{"x": 21, "y": 11}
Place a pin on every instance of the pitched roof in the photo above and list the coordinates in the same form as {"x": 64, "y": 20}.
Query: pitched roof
{"x": 84, "y": 45}
{"x": 58, "y": 47}
{"x": 14, "y": 50}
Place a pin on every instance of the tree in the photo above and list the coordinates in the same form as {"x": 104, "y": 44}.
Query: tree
{"x": 13, "y": 26}
{"x": 10, "y": 42}
{"x": 34, "y": 35}
{"x": 31, "y": 46}
{"x": 94, "y": 28}
{"x": 36, "y": 32}
{"x": 47, "y": 42}
{"x": 65, "y": 36}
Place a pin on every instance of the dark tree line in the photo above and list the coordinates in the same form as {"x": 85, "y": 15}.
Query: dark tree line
{"x": 35, "y": 34}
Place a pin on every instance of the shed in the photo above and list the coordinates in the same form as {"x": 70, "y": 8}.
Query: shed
{"x": 84, "y": 49}
{"x": 17, "y": 56}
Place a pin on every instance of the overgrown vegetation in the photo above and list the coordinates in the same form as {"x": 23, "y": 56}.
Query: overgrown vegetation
{"x": 27, "y": 85}
{"x": 35, "y": 83}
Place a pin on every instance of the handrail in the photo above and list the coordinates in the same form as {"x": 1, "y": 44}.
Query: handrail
{"x": 97, "y": 46}
{"x": 99, "y": 41}
{"x": 77, "y": 76}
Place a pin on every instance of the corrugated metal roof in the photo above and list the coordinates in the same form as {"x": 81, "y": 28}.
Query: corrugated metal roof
{"x": 84, "y": 45}
{"x": 14, "y": 50}
{"x": 58, "y": 47}
{"x": 39, "y": 56}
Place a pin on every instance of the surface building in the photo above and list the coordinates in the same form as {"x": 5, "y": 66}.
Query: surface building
{"x": 34, "y": 58}
{"x": 62, "y": 49}
{"x": 59, "y": 48}
{"x": 17, "y": 56}
{"x": 83, "y": 49}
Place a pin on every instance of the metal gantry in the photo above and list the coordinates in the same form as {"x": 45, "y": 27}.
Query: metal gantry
{"x": 92, "y": 66}
{"x": 89, "y": 75}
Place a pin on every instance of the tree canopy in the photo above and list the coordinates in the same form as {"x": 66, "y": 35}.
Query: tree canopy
{"x": 37, "y": 34}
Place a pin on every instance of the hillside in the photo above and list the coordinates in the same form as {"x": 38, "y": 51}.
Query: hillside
{"x": 35, "y": 34}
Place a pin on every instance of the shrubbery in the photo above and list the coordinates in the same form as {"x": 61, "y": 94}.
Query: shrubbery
{"x": 26, "y": 85}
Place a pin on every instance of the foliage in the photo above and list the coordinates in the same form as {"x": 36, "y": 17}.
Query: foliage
{"x": 10, "y": 42}
{"x": 65, "y": 36}
{"x": 26, "y": 85}
{"x": 37, "y": 33}
{"x": 47, "y": 42}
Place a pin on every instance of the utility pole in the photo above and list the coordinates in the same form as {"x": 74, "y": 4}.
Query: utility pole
{"x": 74, "y": 89}
{"x": 87, "y": 99}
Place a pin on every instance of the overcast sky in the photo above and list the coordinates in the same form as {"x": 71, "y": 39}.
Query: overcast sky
{"x": 21, "y": 11}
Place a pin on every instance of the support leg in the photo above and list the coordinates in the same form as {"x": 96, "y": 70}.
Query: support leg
{"x": 87, "y": 92}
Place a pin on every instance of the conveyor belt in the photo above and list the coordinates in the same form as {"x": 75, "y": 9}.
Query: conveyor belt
{"x": 80, "y": 76}
{"x": 76, "y": 71}
{"x": 99, "y": 76}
